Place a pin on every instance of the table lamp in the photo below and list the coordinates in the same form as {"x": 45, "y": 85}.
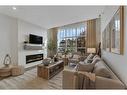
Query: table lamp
{"x": 91, "y": 50}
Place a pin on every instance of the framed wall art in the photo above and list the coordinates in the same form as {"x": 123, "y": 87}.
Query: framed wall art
{"x": 117, "y": 35}
{"x": 113, "y": 34}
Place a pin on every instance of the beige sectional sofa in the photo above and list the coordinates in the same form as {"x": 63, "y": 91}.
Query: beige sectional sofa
{"x": 104, "y": 77}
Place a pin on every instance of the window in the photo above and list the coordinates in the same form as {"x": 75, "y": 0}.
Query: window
{"x": 71, "y": 37}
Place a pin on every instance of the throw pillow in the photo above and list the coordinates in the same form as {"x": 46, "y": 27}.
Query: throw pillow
{"x": 95, "y": 56}
{"x": 95, "y": 60}
{"x": 101, "y": 70}
{"x": 89, "y": 61}
{"x": 90, "y": 56}
{"x": 85, "y": 67}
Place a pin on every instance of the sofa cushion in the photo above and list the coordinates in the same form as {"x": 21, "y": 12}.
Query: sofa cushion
{"x": 107, "y": 83}
{"x": 85, "y": 67}
{"x": 101, "y": 70}
{"x": 95, "y": 56}
{"x": 95, "y": 60}
{"x": 89, "y": 59}
{"x": 90, "y": 56}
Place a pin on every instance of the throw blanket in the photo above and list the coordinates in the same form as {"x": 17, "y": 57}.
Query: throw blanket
{"x": 86, "y": 80}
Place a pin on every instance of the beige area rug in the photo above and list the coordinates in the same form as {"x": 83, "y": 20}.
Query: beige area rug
{"x": 29, "y": 80}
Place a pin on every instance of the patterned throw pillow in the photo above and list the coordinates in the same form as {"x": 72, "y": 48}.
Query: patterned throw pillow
{"x": 90, "y": 56}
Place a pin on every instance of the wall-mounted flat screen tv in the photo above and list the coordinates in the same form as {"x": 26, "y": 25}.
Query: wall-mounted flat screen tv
{"x": 34, "y": 39}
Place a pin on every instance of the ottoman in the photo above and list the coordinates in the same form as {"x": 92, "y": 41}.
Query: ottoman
{"x": 17, "y": 70}
{"x": 5, "y": 72}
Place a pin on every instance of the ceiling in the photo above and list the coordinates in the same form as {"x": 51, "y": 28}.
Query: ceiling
{"x": 53, "y": 16}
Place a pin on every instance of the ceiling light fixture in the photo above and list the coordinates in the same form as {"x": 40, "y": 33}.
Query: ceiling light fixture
{"x": 14, "y": 8}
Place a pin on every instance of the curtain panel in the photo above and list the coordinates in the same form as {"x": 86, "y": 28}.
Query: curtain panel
{"x": 91, "y": 34}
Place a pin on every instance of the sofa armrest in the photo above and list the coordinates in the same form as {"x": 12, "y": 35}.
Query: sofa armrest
{"x": 69, "y": 79}
{"x": 106, "y": 83}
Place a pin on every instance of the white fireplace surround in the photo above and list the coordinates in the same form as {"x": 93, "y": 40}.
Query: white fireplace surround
{"x": 24, "y": 29}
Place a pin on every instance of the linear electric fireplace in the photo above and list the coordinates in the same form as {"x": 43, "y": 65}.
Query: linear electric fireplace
{"x": 34, "y": 58}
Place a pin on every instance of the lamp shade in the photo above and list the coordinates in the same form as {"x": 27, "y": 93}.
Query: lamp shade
{"x": 91, "y": 50}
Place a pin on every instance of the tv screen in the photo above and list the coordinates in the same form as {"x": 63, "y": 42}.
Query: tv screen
{"x": 34, "y": 39}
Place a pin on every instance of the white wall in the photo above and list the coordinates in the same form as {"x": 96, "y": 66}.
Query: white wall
{"x": 117, "y": 62}
{"x": 8, "y": 38}
{"x": 13, "y": 33}
{"x": 24, "y": 29}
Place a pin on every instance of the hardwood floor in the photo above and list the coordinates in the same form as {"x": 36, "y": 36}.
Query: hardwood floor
{"x": 29, "y": 80}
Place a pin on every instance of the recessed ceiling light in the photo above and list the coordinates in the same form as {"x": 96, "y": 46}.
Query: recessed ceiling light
{"x": 14, "y": 8}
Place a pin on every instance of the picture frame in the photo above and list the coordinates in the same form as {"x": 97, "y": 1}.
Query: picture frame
{"x": 116, "y": 31}
{"x": 113, "y": 34}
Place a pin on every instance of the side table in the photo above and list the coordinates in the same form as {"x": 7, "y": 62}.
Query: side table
{"x": 40, "y": 69}
{"x": 47, "y": 72}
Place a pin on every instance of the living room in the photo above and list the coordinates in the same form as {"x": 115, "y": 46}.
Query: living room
{"x": 41, "y": 51}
